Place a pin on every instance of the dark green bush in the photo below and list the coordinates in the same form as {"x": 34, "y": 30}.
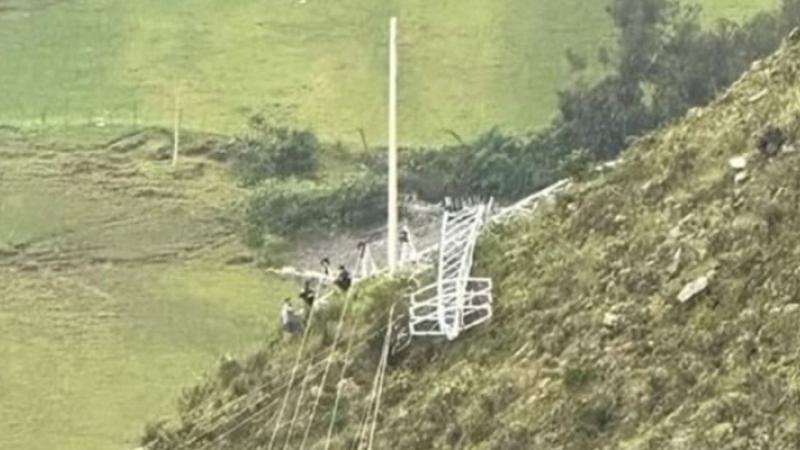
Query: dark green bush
{"x": 268, "y": 151}
{"x": 296, "y": 205}
{"x": 498, "y": 164}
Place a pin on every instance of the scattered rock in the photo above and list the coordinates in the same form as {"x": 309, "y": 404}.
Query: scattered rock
{"x": 692, "y": 289}
{"x": 695, "y": 112}
{"x": 791, "y": 308}
{"x": 741, "y": 177}
{"x": 761, "y": 94}
{"x": 315, "y": 391}
{"x": 675, "y": 232}
{"x": 611, "y": 320}
{"x": 720, "y": 432}
{"x": 738, "y": 163}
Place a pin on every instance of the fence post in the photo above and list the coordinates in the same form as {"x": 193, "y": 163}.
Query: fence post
{"x": 176, "y": 137}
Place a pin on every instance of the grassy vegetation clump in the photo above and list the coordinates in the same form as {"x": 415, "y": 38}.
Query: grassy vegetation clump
{"x": 291, "y": 206}
{"x": 268, "y": 151}
{"x": 590, "y": 347}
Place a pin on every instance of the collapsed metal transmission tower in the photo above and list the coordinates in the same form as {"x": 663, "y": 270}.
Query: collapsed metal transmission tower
{"x": 456, "y": 301}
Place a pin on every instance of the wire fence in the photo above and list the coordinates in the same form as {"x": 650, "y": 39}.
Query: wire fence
{"x": 190, "y": 113}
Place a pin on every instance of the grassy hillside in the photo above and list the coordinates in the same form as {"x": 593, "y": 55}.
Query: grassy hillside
{"x": 114, "y": 287}
{"x": 466, "y": 65}
{"x": 591, "y": 346}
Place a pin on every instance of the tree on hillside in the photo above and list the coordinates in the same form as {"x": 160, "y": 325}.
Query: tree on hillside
{"x": 641, "y": 26}
{"x": 665, "y": 63}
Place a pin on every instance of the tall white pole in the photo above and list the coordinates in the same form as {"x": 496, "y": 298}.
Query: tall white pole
{"x": 392, "y": 235}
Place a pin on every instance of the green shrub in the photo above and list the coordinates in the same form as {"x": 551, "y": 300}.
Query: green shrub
{"x": 498, "y": 164}
{"x": 296, "y": 205}
{"x": 268, "y": 151}
{"x": 578, "y": 164}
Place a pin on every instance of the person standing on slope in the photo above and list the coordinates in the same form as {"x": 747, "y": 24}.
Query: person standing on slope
{"x": 343, "y": 281}
{"x": 308, "y": 296}
{"x": 290, "y": 322}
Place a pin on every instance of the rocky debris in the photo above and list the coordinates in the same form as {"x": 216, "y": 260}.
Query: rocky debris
{"x": 694, "y": 288}
{"x": 758, "y": 96}
{"x": 720, "y": 432}
{"x": 738, "y": 163}
{"x": 612, "y": 321}
{"x": 791, "y": 308}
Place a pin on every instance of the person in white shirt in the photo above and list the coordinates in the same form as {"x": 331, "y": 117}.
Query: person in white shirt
{"x": 290, "y": 322}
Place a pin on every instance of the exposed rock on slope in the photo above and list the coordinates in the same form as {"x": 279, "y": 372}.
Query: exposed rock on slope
{"x": 590, "y": 347}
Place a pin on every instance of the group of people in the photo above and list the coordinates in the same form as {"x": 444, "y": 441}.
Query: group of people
{"x": 292, "y": 322}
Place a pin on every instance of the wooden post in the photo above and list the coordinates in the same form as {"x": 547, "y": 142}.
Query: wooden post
{"x": 392, "y": 235}
{"x": 176, "y": 135}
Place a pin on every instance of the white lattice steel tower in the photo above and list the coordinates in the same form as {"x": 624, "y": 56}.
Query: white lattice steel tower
{"x": 456, "y": 301}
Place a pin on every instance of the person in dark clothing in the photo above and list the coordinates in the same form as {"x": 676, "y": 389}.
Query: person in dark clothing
{"x": 326, "y": 266}
{"x": 343, "y": 281}
{"x": 307, "y": 295}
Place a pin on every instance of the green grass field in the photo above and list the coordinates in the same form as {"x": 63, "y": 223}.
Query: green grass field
{"x": 467, "y": 65}
{"x": 114, "y": 292}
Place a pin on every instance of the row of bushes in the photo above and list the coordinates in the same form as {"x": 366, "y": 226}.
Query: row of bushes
{"x": 290, "y": 206}
{"x": 269, "y": 151}
{"x": 499, "y": 164}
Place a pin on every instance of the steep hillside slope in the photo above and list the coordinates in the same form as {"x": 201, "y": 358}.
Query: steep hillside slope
{"x": 652, "y": 306}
